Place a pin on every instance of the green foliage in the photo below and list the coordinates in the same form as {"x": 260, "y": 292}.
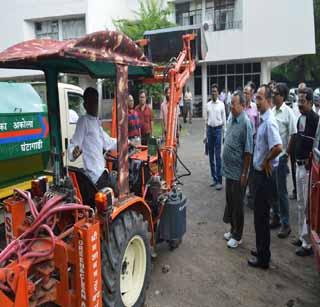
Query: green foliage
{"x": 152, "y": 15}
{"x": 306, "y": 67}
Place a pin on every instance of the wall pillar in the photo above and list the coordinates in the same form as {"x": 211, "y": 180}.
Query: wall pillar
{"x": 204, "y": 77}
{"x": 265, "y": 72}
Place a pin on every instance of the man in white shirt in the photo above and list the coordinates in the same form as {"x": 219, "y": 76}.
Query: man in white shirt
{"x": 90, "y": 140}
{"x": 187, "y": 106}
{"x": 286, "y": 121}
{"x": 215, "y": 123}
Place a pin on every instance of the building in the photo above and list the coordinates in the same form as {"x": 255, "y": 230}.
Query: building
{"x": 57, "y": 19}
{"x": 239, "y": 40}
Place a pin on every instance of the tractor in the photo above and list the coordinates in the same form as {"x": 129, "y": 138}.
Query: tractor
{"x": 68, "y": 243}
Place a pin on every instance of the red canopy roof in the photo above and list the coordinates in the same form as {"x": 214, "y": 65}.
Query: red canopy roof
{"x": 105, "y": 46}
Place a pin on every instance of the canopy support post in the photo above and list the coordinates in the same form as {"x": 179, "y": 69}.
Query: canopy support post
{"x": 122, "y": 129}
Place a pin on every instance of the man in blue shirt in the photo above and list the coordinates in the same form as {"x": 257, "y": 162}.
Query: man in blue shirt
{"x": 265, "y": 159}
{"x": 237, "y": 151}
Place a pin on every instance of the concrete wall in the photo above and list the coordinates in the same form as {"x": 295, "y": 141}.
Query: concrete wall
{"x": 18, "y": 16}
{"x": 101, "y": 13}
{"x": 270, "y": 29}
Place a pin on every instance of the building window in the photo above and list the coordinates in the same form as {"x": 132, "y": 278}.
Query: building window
{"x": 224, "y": 14}
{"x": 47, "y": 29}
{"x": 232, "y": 76}
{"x": 61, "y": 29}
{"x": 188, "y": 13}
{"x": 73, "y": 28}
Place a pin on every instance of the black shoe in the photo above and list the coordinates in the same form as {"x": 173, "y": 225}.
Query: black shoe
{"x": 250, "y": 204}
{"x": 255, "y": 263}
{"x": 275, "y": 222}
{"x": 254, "y": 253}
{"x": 213, "y": 184}
{"x": 284, "y": 232}
{"x": 303, "y": 252}
{"x": 297, "y": 242}
{"x": 293, "y": 196}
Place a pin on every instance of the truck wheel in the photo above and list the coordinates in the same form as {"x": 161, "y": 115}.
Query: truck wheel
{"x": 126, "y": 261}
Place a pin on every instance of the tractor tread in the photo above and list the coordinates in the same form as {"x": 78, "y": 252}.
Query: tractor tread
{"x": 127, "y": 225}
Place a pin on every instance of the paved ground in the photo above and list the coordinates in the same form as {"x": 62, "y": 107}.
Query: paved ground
{"x": 204, "y": 272}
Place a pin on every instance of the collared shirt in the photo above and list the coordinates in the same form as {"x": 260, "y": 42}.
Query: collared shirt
{"x": 267, "y": 137}
{"x": 287, "y": 124}
{"x": 216, "y": 114}
{"x": 133, "y": 123}
{"x": 146, "y": 118}
{"x": 188, "y": 96}
{"x": 253, "y": 115}
{"x": 91, "y": 139}
{"x": 238, "y": 141}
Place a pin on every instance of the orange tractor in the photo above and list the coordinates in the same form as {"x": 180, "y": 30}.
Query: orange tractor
{"x": 83, "y": 247}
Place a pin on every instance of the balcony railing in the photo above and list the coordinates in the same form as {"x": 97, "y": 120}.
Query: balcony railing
{"x": 221, "y": 26}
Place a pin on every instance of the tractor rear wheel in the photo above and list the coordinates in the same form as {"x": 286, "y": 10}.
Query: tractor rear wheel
{"x": 126, "y": 261}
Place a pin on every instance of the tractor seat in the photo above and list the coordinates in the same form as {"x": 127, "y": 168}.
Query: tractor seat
{"x": 86, "y": 186}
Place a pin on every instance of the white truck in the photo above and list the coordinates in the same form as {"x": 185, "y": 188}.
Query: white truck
{"x": 13, "y": 162}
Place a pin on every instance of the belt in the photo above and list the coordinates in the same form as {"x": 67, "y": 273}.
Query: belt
{"x": 301, "y": 162}
{"x": 216, "y": 127}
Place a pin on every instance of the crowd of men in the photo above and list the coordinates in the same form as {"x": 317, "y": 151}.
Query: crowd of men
{"x": 250, "y": 148}
{"x": 260, "y": 134}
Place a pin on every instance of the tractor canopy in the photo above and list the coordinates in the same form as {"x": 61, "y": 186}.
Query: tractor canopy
{"x": 104, "y": 54}
{"x": 95, "y": 54}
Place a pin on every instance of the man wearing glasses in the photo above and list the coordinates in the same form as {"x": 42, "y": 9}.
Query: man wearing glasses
{"x": 237, "y": 152}
{"x": 265, "y": 159}
{"x": 287, "y": 127}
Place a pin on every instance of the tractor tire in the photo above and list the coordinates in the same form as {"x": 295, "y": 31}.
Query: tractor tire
{"x": 126, "y": 261}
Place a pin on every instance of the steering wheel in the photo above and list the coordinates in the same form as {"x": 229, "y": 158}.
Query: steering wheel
{"x": 109, "y": 157}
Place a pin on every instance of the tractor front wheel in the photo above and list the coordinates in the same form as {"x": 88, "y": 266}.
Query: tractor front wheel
{"x": 126, "y": 261}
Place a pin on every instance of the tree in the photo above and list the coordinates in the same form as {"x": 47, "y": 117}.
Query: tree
{"x": 306, "y": 67}
{"x": 152, "y": 15}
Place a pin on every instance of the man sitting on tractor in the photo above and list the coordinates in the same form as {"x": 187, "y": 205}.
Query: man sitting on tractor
{"x": 90, "y": 139}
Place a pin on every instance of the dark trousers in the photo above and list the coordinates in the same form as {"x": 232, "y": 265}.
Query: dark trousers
{"x": 293, "y": 163}
{"x": 187, "y": 112}
{"x": 250, "y": 184}
{"x": 233, "y": 213}
{"x": 145, "y": 139}
{"x": 281, "y": 204}
{"x": 214, "y": 150}
{"x": 293, "y": 173}
{"x": 263, "y": 190}
{"x": 103, "y": 181}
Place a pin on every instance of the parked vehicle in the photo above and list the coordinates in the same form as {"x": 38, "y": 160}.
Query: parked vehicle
{"x": 17, "y": 167}
{"x": 69, "y": 243}
{"x": 314, "y": 199}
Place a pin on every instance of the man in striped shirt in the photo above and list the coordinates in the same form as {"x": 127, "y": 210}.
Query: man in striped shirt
{"x": 134, "y": 124}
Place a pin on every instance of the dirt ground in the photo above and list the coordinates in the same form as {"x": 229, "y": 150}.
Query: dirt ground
{"x": 204, "y": 272}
